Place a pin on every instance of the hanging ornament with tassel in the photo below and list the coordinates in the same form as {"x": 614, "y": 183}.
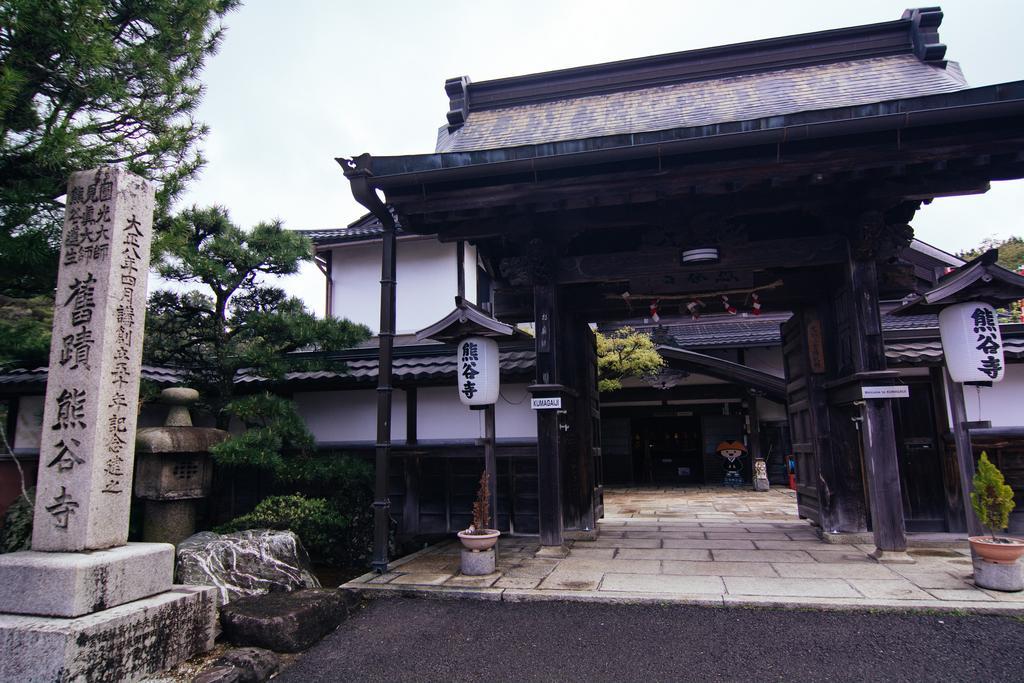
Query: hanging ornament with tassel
{"x": 654, "y": 310}
{"x": 729, "y": 308}
{"x": 755, "y": 305}
{"x": 694, "y": 308}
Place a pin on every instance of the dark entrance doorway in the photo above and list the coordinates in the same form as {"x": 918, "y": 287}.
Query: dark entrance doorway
{"x": 917, "y": 445}
{"x": 667, "y": 451}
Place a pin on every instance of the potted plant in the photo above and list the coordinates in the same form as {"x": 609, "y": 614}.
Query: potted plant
{"x": 992, "y": 500}
{"x": 479, "y": 535}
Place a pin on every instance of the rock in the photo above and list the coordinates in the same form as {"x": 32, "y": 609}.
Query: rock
{"x": 224, "y": 673}
{"x": 245, "y": 563}
{"x": 254, "y": 664}
{"x": 285, "y": 622}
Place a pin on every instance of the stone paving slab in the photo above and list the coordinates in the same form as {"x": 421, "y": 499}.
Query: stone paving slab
{"x": 807, "y": 588}
{"x": 723, "y": 545}
{"x": 665, "y": 554}
{"x": 683, "y": 585}
{"x": 761, "y": 556}
{"x": 718, "y": 568}
{"x": 895, "y": 589}
{"x": 661, "y": 551}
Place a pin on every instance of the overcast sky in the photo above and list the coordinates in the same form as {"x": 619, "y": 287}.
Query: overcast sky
{"x": 299, "y": 83}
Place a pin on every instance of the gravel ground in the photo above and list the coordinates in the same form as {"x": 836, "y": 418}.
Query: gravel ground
{"x": 407, "y": 639}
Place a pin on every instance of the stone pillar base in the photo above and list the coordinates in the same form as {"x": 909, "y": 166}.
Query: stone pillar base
{"x": 552, "y": 551}
{"x": 761, "y": 485}
{"x": 892, "y": 556}
{"x": 125, "y": 643}
{"x": 580, "y": 535}
{"x": 998, "y": 576}
{"x": 477, "y": 562}
{"x": 75, "y": 584}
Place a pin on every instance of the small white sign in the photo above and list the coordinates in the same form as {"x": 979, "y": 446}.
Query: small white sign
{"x": 546, "y": 403}
{"x": 896, "y": 391}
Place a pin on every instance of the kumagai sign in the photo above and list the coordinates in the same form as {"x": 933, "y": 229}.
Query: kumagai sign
{"x": 971, "y": 342}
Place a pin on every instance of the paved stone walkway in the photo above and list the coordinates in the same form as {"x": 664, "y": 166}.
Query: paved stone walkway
{"x": 703, "y": 546}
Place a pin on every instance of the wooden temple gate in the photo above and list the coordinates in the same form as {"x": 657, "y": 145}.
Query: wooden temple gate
{"x": 810, "y": 210}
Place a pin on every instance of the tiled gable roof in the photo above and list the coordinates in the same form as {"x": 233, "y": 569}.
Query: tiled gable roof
{"x": 704, "y": 102}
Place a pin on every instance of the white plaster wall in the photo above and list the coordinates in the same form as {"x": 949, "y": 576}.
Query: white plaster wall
{"x": 348, "y": 415}
{"x": 1002, "y": 403}
{"x": 29, "y": 426}
{"x": 427, "y": 282}
{"x": 352, "y": 415}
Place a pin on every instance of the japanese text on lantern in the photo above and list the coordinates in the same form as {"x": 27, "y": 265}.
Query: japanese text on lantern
{"x": 987, "y": 330}
{"x": 470, "y": 357}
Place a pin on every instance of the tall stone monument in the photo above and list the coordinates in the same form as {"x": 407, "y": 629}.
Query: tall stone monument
{"x": 84, "y": 603}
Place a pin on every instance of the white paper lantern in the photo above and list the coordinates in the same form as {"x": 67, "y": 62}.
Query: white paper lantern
{"x": 971, "y": 342}
{"x": 478, "y": 371}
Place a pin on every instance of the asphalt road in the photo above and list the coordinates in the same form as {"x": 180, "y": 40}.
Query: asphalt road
{"x": 406, "y": 639}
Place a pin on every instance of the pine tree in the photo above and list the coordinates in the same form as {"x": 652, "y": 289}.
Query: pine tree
{"x": 235, "y": 322}
{"x": 85, "y": 83}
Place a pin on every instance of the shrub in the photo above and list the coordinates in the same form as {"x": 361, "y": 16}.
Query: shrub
{"x": 17, "y": 529}
{"x": 992, "y": 498}
{"x": 324, "y": 529}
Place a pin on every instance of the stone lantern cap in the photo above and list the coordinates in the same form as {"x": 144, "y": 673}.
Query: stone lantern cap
{"x": 979, "y": 280}
{"x": 467, "y": 320}
{"x": 178, "y": 435}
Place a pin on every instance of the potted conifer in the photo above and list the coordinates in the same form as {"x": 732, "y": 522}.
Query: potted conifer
{"x": 479, "y": 535}
{"x": 992, "y": 500}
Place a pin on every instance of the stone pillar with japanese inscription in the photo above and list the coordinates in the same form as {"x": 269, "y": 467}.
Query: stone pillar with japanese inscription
{"x": 84, "y": 604}
{"x": 87, "y": 450}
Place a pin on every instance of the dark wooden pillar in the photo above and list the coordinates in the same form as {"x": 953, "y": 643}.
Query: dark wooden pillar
{"x": 386, "y": 335}
{"x": 878, "y": 431}
{"x": 549, "y": 466}
{"x": 956, "y": 520}
{"x": 964, "y": 452}
{"x": 490, "y": 461}
{"x": 755, "y": 429}
{"x": 411, "y": 509}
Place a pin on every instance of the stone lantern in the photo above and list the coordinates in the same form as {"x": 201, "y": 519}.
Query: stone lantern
{"x": 173, "y": 469}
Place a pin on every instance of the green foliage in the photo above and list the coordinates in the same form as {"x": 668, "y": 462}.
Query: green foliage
{"x": 16, "y": 533}
{"x": 25, "y": 326}
{"x": 992, "y": 498}
{"x": 91, "y": 82}
{"x": 236, "y": 323}
{"x": 317, "y": 523}
{"x": 625, "y": 353}
{"x": 272, "y": 428}
{"x": 336, "y": 526}
{"x": 1011, "y": 251}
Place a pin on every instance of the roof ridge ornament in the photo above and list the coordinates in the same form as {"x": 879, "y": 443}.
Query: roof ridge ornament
{"x": 925, "y": 34}
{"x": 457, "y": 90}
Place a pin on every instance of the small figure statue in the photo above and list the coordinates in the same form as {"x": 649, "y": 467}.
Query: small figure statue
{"x": 760, "y": 475}
{"x": 732, "y": 452}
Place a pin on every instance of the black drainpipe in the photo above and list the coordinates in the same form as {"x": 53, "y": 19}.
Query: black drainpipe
{"x": 367, "y": 196}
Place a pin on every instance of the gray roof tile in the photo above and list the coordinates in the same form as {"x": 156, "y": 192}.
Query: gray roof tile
{"x": 704, "y": 102}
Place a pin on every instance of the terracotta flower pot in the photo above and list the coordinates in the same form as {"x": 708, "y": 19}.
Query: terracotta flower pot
{"x": 1000, "y": 553}
{"x": 484, "y": 541}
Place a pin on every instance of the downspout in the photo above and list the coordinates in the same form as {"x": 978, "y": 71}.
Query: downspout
{"x": 365, "y": 194}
